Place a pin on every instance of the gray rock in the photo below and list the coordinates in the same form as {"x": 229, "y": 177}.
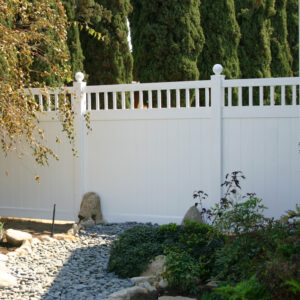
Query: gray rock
{"x": 156, "y": 267}
{"x": 3, "y": 257}
{"x": 192, "y": 214}
{"x": 90, "y": 208}
{"x": 7, "y": 280}
{"x": 16, "y": 237}
{"x": 163, "y": 284}
{"x": 175, "y": 298}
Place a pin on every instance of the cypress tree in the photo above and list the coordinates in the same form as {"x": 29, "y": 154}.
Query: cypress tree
{"x": 109, "y": 60}
{"x": 73, "y": 41}
{"x": 293, "y": 33}
{"x": 41, "y": 69}
{"x": 222, "y": 37}
{"x": 280, "y": 50}
{"x": 254, "y": 50}
{"x": 167, "y": 39}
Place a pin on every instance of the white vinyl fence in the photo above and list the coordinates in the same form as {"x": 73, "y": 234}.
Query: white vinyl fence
{"x": 152, "y": 145}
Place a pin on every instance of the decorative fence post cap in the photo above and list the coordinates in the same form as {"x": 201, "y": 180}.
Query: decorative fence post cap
{"x": 79, "y": 76}
{"x": 217, "y": 69}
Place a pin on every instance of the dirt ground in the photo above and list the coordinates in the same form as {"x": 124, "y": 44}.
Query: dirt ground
{"x": 35, "y": 227}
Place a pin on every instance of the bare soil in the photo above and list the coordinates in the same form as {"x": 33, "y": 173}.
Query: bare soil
{"x": 36, "y": 227}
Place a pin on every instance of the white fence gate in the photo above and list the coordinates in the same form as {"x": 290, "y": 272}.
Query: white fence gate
{"x": 152, "y": 145}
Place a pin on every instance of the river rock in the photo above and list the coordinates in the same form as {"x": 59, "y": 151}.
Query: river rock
{"x": 7, "y": 280}
{"x": 3, "y": 257}
{"x": 17, "y": 237}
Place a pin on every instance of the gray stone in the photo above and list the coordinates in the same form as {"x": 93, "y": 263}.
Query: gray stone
{"x": 175, "y": 298}
{"x": 163, "y": 284}
{"x": 141, "y": 279}
{"x": 90, "y": 208}
{"x": 7, "y": 280}
{"x": 86, "y": 223}
{"x": 16, "y": 237}
{"x": 192, "y": 214}
{"x": 150, "y": 288}
{"x": 3, "y": 257}
{"x": 212, "y": 284}
{"x": 156, "y": 266}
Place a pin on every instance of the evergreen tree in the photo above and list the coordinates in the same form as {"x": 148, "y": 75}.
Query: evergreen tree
{"x": 73, "y": 41}
{"x": 222, "y": 36}
{"x": 41, "y": 68}
{"x": 280, "y": 50}
{"x": 167, "y": 39}
{"x": 293, "y": 33}
{"x": 109, "y": 60}
{"x": 254, "y": 50}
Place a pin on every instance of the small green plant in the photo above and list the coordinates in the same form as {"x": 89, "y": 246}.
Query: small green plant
{"x": 234, "y": 212}
{"x": 131, "y": 254}
{"x": 182, "y": 271}
{"x": 250, "y": 289}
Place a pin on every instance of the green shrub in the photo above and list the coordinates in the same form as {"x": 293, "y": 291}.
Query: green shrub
{"x": 190, "y": 253}
{"x": 131, "y": 254}
{"x": 250, "y": 289}
{"x": 183, "y": 272}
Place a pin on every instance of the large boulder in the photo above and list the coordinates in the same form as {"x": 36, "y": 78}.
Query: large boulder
{"x": 90, "y": 208}
{"x": 193, "y": 214}
{"x": 17, "y": 237}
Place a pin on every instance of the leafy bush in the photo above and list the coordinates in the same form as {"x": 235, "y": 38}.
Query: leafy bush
{"x": 250, "y": 289}
{"x": 183, "y": 272}
{"x": 235, "y": 212}
{"x": 131, "y": 254}
{"x": 190, "y": 255}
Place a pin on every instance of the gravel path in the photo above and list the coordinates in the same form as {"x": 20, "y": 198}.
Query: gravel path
{"x": 68, "y": 269}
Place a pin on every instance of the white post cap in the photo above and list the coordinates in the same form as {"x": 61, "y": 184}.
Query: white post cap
{"x": 217, "y": 69}
{"x": 79, "y": 76}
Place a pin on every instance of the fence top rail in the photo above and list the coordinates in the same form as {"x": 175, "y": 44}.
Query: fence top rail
{"x": 262, "y": 82}
{"x": 149, "y": 86}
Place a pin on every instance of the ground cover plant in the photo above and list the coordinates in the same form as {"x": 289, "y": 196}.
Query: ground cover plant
{"x": 249, "y": 255}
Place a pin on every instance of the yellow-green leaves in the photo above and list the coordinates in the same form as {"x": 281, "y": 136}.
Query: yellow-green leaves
{"x": 31, "y": 33}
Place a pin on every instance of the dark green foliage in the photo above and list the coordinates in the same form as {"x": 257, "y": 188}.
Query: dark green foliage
{"x": 42, "y": 70}
{"x": 109, "y": 60}
{"x": 222, "y": 36}
{"x": 280, "y": 50}
{"x": 293, "y": 32}
{"x": 183, "y": 272}
{"x": 73, "y": 40}
{"x": 167, "y": 39}
{"x": 254, "y": 50}
{"x": 250, "y": 289}
{"x": 136, "y": 247}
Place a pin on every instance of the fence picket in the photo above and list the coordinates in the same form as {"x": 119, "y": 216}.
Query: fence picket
{"x": 283, "y": 95}
{"x": 197, "y": 99}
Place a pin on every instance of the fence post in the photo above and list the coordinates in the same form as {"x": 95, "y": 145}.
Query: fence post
{"x": 217, "y": 100}
{"x": 79, "y": 109}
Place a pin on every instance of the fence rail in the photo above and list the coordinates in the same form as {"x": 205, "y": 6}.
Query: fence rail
{"x": 257, "y": 92}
